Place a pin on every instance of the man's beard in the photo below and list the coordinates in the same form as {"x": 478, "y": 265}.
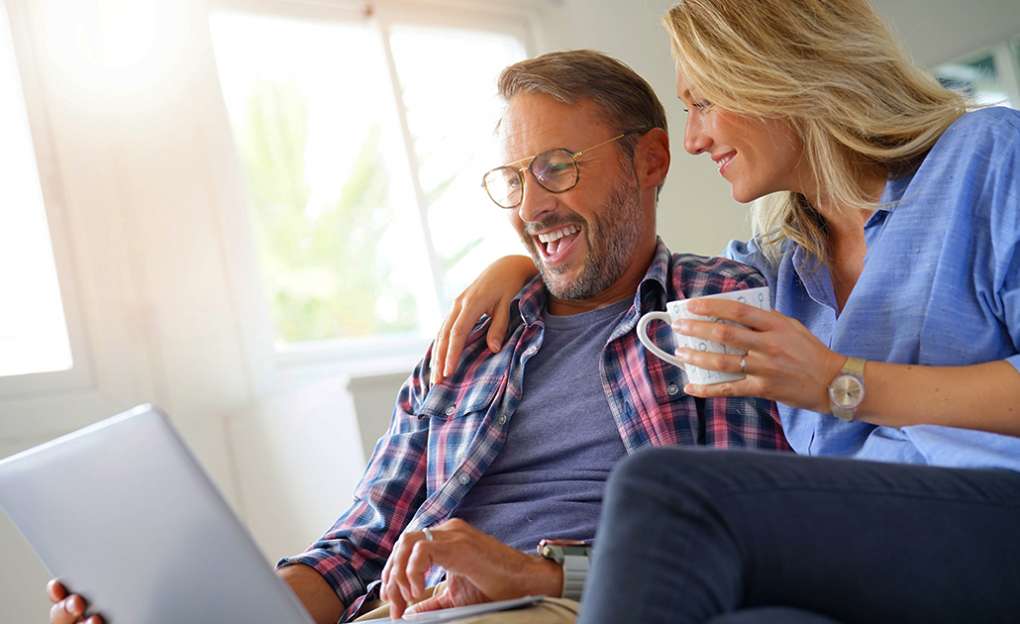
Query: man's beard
{"x": 612, "y": 235}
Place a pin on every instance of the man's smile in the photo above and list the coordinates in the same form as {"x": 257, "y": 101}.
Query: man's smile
{"x": 556, "y": 244}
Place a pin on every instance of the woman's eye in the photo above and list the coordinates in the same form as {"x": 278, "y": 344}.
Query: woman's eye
{"x": 701, "y": 105}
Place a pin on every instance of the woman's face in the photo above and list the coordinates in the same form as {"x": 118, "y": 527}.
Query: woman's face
{"x": 756, "y": 156}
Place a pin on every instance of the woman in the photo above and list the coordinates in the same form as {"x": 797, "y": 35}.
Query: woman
{"x": 891, "y": 242}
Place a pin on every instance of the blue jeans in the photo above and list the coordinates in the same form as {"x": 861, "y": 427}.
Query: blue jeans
{"x": 688, "y": 535}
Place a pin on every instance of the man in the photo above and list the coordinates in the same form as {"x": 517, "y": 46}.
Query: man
{"x": 515, "y": 446}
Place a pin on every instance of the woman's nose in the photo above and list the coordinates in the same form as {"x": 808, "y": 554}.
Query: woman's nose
{"x": 696, "y": 140}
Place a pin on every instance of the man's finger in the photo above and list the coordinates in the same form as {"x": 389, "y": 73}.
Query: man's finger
{"x": 59, "y": 616}
{"x": 443, "y": 600}
{"x": 66, "y": 611}
{"x": 398, "y": 568}
{"x": 56, "y": 590}
{"x": 418, "y": 565}
{"x": 397, "y": 606}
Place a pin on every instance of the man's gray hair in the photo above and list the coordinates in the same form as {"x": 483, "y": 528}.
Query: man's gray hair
{"x": 626, "y": 100}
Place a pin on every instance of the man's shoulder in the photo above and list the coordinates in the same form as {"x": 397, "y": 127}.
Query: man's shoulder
{"x": 692, "y": 275}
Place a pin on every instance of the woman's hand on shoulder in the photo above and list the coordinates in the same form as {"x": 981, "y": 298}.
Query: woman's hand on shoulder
{"x": 490, "y": 293}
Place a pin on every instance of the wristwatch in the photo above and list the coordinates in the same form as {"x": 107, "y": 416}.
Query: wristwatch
{"x": 573, "y": 556}
{"x": 847, "y": 390}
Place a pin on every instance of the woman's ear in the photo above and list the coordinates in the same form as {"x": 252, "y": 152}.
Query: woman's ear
{"x": 651, "y": 158}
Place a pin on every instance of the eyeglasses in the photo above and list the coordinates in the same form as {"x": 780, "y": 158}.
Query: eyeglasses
{"x": 555, "y": 170}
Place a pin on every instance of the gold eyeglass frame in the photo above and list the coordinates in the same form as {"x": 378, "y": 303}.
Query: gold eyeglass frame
{"x": 518, "y": 168}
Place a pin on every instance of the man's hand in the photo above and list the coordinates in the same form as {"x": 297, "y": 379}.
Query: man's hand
{"x": 68, "y": 608}
{"x": 312, "y": 590}
{"x": 479, "y": 568}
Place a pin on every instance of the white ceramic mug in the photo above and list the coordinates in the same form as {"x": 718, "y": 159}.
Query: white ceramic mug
{"x": 675, "y": 310}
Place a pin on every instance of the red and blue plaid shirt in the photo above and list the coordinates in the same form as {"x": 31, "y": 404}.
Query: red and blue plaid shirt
{"x": 442, "y": 438}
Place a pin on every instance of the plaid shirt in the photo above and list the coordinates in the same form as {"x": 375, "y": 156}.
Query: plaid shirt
{"x": 443, "y": 438}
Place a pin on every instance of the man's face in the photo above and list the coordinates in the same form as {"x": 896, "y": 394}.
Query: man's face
{"x": 584, "y": 239}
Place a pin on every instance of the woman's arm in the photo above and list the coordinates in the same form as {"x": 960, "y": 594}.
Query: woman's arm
{"x": 788, "y": 364}
{"x": 980, "y": 396}
{"x": 491, "y": 293}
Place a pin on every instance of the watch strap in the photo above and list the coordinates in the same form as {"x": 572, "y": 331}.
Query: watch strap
{"x": 854, "y": 366}
{"x": 575, "y": 573}
{"x": 572, "y": 556}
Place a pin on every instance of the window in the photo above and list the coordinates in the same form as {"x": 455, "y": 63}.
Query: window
{"x": 33, "y": 331}
{"x": 363, "y": 143}
{"x": 989, "y": 77}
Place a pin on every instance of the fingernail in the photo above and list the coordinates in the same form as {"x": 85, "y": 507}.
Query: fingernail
{"x": 682, "y": 326}
{"x": 683, "y": 356}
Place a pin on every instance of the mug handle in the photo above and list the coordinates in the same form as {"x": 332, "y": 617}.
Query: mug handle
{"x": 642, "y": 334}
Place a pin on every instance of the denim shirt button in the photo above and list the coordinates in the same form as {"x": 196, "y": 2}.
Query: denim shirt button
{"x": 463, "y": 478}
{"x": 673, "y": 389}
{"x": 451, "y": 410}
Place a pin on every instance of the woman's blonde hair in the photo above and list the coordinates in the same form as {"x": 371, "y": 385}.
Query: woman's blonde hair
{"x": 834, "y": 71}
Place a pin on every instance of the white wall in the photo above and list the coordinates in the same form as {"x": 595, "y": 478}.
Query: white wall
{"x": 935, "y": 31}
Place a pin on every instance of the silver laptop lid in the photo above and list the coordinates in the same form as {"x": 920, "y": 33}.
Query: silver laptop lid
{"x": 123, "y": 513}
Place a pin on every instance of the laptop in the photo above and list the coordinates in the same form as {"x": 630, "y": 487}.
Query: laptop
{"x": 122, "y": 512}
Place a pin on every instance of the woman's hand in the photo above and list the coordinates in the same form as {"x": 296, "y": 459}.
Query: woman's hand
{"x": 491, "y": 293}
{"x": 68, "y": 608}
{"x": 785, "y": 362}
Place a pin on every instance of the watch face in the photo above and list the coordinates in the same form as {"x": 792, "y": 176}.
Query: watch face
{"x": 846, "y": 391}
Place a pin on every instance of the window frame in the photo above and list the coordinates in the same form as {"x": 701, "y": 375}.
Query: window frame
{"x": 1007, "y": 64}
{"x": 515, "y": 19}
{"x": 80, "y": 375}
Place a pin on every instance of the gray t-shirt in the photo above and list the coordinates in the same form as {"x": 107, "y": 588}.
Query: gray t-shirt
{"x": 562, "y": 441}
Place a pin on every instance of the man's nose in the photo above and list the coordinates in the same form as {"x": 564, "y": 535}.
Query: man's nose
{"x": 696, "y": 140}
{"x": 536, "y": 201}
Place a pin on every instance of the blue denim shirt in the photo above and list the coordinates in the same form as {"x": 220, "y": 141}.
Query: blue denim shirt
{"x": 940, "y": 287}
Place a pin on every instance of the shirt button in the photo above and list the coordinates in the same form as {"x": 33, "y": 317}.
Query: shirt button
{"x": 450, "y": 410}
{"x": 673, "y": 389}
{"x": 463, "y": 478}
{"x": 502, "y": 419}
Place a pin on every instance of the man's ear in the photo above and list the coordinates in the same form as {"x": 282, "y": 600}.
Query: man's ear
{"x": 651, "y": 158}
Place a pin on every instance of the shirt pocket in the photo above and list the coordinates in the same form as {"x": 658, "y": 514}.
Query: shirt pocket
{"x": 667, "y": 381}
{"x": 456, "y": 413}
